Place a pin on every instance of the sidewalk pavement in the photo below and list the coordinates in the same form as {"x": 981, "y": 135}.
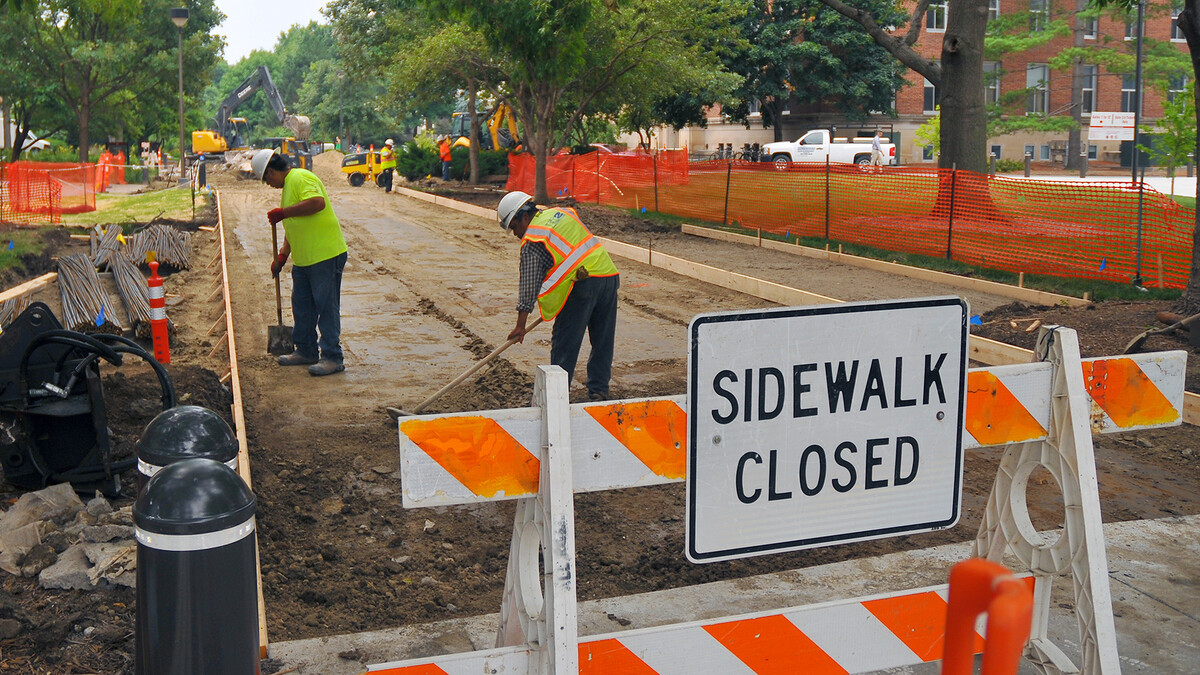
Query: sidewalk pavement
{"x": 1183, "y": 185}
{"x": 1154, "y": 575}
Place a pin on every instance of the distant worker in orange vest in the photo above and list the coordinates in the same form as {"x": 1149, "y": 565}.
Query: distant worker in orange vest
{"x": 444, "y": 153}
{"x": 574, "y": 282}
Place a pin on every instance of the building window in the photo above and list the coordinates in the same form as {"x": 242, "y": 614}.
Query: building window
{"x": 927, "y": 153}
{"x": 996, "y": 149}
{"x": 1039, "y": 15}
{"x": 1037, "y": 86}
{"x": 1131, "y": 26}
{"x": 1176, "y": 86}
{"x": 991, "y": 82}
{"x": 1128, "y": 93}
{"x": 932, "y": 97}
{"x": 935, "y": 16}
{"x": 1029, "y": 150}
{"x": 1045, "y": 156}
{"x": 1176, "y": 34}
{"x": 993, "y": 9}
{"x": 753, "y": 107}
{"x": 1089, "y": 76}
{"x": 1093, "y": 152}
{"x": 1090, "y": 25}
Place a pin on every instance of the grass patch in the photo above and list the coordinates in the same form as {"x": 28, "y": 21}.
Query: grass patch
{"x": 140, "y": 208}
{"x": 16, "y": 243}
{"x": 1074, "y": 287}
{"x": 1185, "y": 202}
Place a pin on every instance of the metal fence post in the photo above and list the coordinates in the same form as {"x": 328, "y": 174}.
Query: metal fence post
{"x": 1028, "y": 161}
{"x": 655, "y": 159}
{"x": 827, "y": 196}
{"x": 597, "y": 153}
{"x": 728, "y": 175}
{"x": 1083, "y": 161}
{"x": 1137, "y": 274}
{"x": 950, "y": 223}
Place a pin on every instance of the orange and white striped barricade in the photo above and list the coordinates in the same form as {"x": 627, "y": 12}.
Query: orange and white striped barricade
{"x": 1041, "y": 414}
{"x": 159, "y": 331}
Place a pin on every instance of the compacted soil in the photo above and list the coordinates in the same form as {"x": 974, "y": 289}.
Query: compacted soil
{"x": 428, "y": 291}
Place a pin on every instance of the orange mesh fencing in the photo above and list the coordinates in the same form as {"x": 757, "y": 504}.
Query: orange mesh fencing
{"x": 40, "y": 192}
{"x": 1066, "y": 229}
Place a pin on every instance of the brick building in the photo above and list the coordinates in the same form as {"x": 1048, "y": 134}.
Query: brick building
{"x": 1023, "y": 81}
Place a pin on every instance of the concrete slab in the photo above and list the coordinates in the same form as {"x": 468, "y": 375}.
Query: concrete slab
{"x": 1154, "y": 572}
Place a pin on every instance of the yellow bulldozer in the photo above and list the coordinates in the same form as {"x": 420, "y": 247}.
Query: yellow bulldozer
{"x": 497, "y": 129}
{"x": 230, "y": 133}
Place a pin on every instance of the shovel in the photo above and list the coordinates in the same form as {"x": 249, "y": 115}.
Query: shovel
{"x": 279, "y": 336}
{"x": 397, "y": 413}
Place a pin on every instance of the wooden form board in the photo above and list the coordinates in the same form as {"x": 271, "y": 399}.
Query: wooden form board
{"x": 239, "y": 418}
{"x": 996, "y": 288}
{"x": 983, "y": 350}
{"x": 29, "y": 286}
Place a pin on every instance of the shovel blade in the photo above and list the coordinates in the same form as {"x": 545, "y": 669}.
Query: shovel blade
{"x": 279, "y": 340}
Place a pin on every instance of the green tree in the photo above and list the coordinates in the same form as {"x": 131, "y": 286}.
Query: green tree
{"x": 574, "y": 51}
{"x": 94, "y": 55}
{"x": 1177, "y": 132}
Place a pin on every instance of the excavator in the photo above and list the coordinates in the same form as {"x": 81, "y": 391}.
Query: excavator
{"x": 230, "y": 133}
{"x": 498, "y": 129}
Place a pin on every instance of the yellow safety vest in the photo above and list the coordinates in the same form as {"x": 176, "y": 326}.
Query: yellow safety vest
{"x": 572, "y": 247}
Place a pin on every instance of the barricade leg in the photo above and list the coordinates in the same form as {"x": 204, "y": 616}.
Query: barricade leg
{"x": 1068, "y": 455}
{"x": 539, "y": 607}
{"x": 978, "y": 585}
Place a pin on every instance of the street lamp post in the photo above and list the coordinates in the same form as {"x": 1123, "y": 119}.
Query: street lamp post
{"x": 341, "y": 75}
{"x": 179, "y": 17}
{"x": 1137, "y": 120}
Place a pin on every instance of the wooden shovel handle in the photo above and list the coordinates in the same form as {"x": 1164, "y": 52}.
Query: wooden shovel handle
{"x": 275, "y": 252}
{"x": 469, "y": 371}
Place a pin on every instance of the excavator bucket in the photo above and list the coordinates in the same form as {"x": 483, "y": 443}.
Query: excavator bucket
{"x": 299, "y": 125}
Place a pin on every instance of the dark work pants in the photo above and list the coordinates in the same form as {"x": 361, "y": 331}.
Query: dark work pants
{"x": 592, "y": 306}
{"x": 445, "y": 170}
{"x": 317, "y": 304}
{"x": 386, "y": 179}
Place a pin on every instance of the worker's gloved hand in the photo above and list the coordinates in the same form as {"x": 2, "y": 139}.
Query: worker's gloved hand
{"x": 277, "y": 264}
{"x": 275, "y": 215}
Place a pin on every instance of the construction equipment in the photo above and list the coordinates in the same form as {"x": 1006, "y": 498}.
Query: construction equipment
{"x": 361, "y": 167}
{"x": 298, "y": 153}
{"x": 397, "y": 413}
{"x": 279, "y": 336}
{"x": 497, "y": 129}
{"x": 230, "y": 133}
{"x": 53, "y": 423}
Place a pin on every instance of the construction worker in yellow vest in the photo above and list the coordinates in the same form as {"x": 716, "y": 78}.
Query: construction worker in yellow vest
{"x": 573, "y": 281}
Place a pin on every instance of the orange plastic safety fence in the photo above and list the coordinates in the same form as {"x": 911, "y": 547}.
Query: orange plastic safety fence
{"x": 1067, "y": 229}
{"x": 40, "y": 192}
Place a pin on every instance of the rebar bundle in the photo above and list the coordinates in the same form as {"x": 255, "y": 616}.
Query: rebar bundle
{"x": 85, "y": 304}
{"x": 172, "y": 247}
{"x": 9, "y": 309}
{"x": 105, "y": 245}
{"x": 131, "y": 286}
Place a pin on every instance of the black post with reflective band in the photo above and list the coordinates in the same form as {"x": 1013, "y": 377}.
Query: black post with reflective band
{"x": 197, "y": 591}
{"x": 184, "y": 432}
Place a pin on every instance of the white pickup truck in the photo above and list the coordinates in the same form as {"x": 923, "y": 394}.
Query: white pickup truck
{"x": 814, "y": 146}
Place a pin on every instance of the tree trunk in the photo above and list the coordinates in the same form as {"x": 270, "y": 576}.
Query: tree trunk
{"x": 540, "y": 140}
{"x": 1075, "y": 136}
{"x": 1189, "y": 24}
{"x": 964, "y": 117}
{"x": 776, "y": 108}
{"x": 473, "y": 149}
{"x": 82, "y": 116}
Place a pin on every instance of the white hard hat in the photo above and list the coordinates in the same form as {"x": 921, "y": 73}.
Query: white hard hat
{"x": 258, "y": 163}
{"x": 510, "y": 204}
{"x": 389, "y": 142}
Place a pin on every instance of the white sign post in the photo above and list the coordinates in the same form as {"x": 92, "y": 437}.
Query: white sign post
{"x": 811, "y": 426}
{"x": 1111, "y": 126}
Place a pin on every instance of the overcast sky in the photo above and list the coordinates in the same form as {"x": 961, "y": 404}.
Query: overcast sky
{"x": 256, "y": 24}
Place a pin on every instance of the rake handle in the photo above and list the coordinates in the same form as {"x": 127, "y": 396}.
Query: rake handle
{"x": 469, "y": 371}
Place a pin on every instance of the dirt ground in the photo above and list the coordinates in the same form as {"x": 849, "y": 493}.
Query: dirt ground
{"x": 427, "y": 291}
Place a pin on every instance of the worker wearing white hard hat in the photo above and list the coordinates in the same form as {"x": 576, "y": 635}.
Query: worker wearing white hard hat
{"x": 313, "y": 238}
{"x": 387, "y": 160}
{"x": 572, "y": 280}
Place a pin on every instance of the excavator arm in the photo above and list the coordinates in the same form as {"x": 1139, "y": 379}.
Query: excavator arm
{"x": 259, "y": 79}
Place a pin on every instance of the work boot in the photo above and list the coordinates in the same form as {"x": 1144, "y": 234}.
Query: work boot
{"x": 325, "y": 367}
{"x": 296, "y": 359}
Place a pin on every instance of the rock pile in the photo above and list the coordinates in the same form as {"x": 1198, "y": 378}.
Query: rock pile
{"x": 52, "y": 535}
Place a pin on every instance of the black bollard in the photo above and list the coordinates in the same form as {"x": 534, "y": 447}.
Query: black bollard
{"x": 202, "y": 178}
{"x": 197, "y": 591}
{"x": 184, "y": 432}
{"x": 1028, "y": 161}
{"x": 1083, "y": 163}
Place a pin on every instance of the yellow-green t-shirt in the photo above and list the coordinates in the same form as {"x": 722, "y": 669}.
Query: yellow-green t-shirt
{"x": 313, "y": 238}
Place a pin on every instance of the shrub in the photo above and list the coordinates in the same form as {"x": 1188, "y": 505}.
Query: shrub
{"x": 413, "y": 161}
{"x": 1009, "y": 165}
{"x": 491, "y": 162}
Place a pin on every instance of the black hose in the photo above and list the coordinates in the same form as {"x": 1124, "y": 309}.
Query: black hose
{"x": 72, "y": 339}
{"x": 164, "y": 379}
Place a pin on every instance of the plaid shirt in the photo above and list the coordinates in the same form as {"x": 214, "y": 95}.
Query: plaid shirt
{"x": 536, "y": 262}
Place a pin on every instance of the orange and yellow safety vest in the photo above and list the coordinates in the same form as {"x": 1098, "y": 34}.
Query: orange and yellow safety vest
{"x": 573, "y": 247}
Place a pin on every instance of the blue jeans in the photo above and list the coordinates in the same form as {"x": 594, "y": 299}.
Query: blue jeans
{"x": 317, "y": 304}
{"x": 591, "y": 306}
{"x": 445, "y": 170}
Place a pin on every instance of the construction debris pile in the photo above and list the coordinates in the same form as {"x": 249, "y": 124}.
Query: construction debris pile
{"x": 52, "y": 535}
{"x": 85, "y": 303}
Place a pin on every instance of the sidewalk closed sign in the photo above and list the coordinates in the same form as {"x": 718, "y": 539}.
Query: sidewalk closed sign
{"x": 811, "y": 426}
